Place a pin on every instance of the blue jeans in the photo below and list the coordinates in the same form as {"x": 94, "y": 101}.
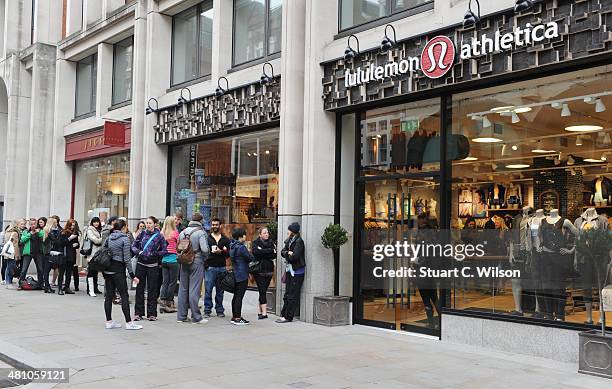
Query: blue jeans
{"x": 210, "y": 280}
{"x": 10, "y": 271}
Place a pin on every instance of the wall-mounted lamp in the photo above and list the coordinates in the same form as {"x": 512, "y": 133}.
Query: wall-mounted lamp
{"x": 267, "y": 78}
{"x": 220, "y": 91}
{"x": 349, "y": 52}
{"x": 522, "y": 5}
{"x": 470, "y": 19}
{"x": 387, "y": 43}
{"x": 182, "y": 100}
{"x": 151, "y": 109}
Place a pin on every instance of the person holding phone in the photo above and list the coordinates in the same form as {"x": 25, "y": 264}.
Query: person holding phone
{"x": 119, "y": 244}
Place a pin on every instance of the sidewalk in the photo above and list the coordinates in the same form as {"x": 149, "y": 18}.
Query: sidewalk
{"x": 68, "y": 331}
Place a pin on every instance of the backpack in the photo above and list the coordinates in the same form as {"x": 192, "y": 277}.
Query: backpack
{"x": 184, "y": 250}
{"x": 30, "y": 284}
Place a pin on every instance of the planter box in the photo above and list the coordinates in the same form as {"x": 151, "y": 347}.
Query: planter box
{"x": 331, "y": 310}
{"x": 595, "y": 354}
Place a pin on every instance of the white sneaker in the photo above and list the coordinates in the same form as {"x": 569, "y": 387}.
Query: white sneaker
{"x": 203, "y": 321}
{"x": 3, "y": 282}
{"x": 132, "y": 326}
{"x": 112, "y": 324}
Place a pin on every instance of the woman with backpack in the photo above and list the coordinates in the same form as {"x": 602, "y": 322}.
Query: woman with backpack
{"x": 150, "y": 248}
{"x": 169, "y": 266}
{"x": 264, "y": 251}
{"x": 118, "y": 243}
{"x": 69, "y": 238}
{"x": 10, "y": 253}
{"x": 93, "y": 235}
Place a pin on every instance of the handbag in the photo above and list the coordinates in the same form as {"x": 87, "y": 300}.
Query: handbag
{"x": 255, "y": 267}
{"x": 101, "y": 259}
{"x": 227, "y": 282}
{"x": 87, "y": 247}
{"x": 8, "y": 250}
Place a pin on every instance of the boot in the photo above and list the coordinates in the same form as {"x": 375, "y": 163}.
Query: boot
{"x": 90, "y": 287}
{"x": 96, "y": 289}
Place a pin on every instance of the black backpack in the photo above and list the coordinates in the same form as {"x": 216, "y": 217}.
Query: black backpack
{"x": 102, "y": 258}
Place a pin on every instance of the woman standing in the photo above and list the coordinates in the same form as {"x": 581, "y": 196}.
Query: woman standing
{"x": 240, "y": 264}
{"x": 169, "y": 266}
{"x": 10, "y": 253}
{"x": 150, "y": 247}
{"x": 141, "y": 227}
{"x": 93, "y": 233}
{"x": 119, "y": 244}
{"x": 70, "y": 242}
{"x": 293, "y": 252}
{"x": 264, "y": 251}
{"x": 36, "y": 247}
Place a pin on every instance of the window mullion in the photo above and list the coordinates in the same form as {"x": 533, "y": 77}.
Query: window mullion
{"x": 266, "y": 28}
{"x": 198, "y": 37}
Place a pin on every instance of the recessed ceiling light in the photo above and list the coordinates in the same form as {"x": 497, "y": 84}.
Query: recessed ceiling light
{"x": 593, "y": 160}
{"x": 487, "y": 140}
{"x": 514, "y": 147}
{"x": 470, "y": 159}
{"x": 522, "y": 109}
{"x": 517, "y": 166}
{"x": 583, "y": 128}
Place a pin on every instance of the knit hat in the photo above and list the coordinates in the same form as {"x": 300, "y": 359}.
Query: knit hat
{"x": 294, "y": 227}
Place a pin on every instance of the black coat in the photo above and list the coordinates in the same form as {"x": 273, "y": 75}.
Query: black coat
{"x": 265, "y": 252}
{"x": 298, "y": 259}
{"x": 70, "y": 251}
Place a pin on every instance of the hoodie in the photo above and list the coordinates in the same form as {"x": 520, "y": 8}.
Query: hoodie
{"x": 198, "y": 238}
{"x": 240, "y": 260}
{"x": 119, "y": 245}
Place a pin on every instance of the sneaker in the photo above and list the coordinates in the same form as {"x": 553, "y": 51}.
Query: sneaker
{"x": 202, "y": 321}
{"x": 3, "y": 282}
{"x": 112, "y": 324}
{"x": 181, "y": 320}
{"x": 221, "y": 314}
{"x": 282, "y": 320}
{"x": 206, "y": 315}
{"x": 133, "y": 326}
{"x": 240, "y": 322}
{"x": 261, "y": 317}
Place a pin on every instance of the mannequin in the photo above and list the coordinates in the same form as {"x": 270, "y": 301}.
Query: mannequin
{"x": 556, "y": 257}
{"x": 431, "y": 207}
{"x": 520, "y": 254}
{"x": 600, "y": 188}
{"x": 497, "y": 195}
{"x": 514, "y": 196}
{"x": 536, "y": 263}
{"x": 589, "y": 219}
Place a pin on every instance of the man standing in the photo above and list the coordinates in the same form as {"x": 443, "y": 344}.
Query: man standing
{"x": 178, "y": 218}
{"x": 191, "y": 276}
{"x": 215, "y": 266}
{"x": 25, "y": 240}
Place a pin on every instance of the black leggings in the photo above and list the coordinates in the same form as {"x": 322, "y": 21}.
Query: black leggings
{"x": 430, "y": 298}
{"x": 239, "y": 292}
{"x": 263, "y": 282}
{"x": 116, "y": 282}
{"x": 65, "y": 269}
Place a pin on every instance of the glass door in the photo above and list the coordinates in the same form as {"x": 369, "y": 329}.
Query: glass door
{"x": 390, "y": 211}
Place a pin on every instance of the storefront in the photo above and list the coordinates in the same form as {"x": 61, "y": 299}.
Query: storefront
{"x": 494, "y": 128}
{"x": 100, "y": 173}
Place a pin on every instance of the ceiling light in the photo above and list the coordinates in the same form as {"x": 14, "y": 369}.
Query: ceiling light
{"x": 514, "y": 147}
{"x": 578, "y": 141}
{"x": 543, "y": 151}
{"x": 504, "y": 109}
{"x": 379, "y": 136}
{"x": 599, "y": 106}
{"x": 517, "y": 166}
{"x": 470, "y": 159}
{"x": 583, "y": 128}
{"x": 592, "y": 160}
{"x": 565, "y": 111}
{"x": 515, "y": 117}
{"x": 603, "y": 157}
{"x": 556, "y": 105}
{"x": 486, "y": 122}
{"x": 486, "y": 140}
{"x": 590, "y": 99}
{"x": 522, "y": 109}
{"x": 267, "y": 151}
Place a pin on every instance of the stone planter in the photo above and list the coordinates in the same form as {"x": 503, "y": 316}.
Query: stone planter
{"x": 331, "y": 310}
{"x": 595, "y": 354}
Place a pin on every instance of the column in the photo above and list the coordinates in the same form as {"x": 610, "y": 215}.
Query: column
{"x": 318, "y": 158}
{"x": 291, "y": 131}
{"x": 17, "y": 25}
{"x": 74, "y": 16}
{"x": 104, "y": 79}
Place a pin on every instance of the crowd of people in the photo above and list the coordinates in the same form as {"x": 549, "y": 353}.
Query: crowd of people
{"x": 150, "y": 257}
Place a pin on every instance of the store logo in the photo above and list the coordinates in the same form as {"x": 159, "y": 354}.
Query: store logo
{"x": 437, "y": 57}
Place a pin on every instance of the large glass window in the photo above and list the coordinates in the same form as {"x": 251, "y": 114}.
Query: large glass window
{"x": 192, "y": 43}
{"x": 356, "y": 12}
{"x": 536, "y": 174}
{"x": 122, "y": 70}
{"x": 86, "y": 85}
{"x": 101, "y": 189}
{"x": 257, "y": 29}
{"x": 234, "y": 179}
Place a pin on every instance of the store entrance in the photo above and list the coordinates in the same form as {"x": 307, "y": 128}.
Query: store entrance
{"x": 391, "y": 210}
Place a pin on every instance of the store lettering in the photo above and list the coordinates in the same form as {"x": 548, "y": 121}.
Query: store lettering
{"x": 372, "y": 72}
{"x": 517, "y": 38}
{"x": 93, "y": 143}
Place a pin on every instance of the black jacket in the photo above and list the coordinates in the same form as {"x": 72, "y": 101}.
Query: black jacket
{"x": 70, "y": 251}
{"x": 54, "y": 242}
{"x": 218, "y": 260}
{"x": 265, "y": 252}
{"x": 297, "y": 260}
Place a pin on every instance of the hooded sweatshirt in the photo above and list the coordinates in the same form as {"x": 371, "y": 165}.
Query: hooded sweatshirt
{"x": 240, "y": 260}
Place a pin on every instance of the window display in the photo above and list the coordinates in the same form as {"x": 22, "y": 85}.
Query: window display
{"x": 537, "y": 171}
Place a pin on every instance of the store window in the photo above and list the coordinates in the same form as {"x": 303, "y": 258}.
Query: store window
{"x": 101, "y": 188}
{"x": 86, "y": 85}
{"x": 257, "y": 29}
{"x": 192, "y": 43}
{"x": 537, "y": 176}
{"x": 356, "y": 12}
{"x": 122, "y": 70}
{"x": 234, "y": 179}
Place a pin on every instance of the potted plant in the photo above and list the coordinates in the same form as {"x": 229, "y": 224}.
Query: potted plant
{"x": 333, "y": 310}
{"x": 595, "y": 354}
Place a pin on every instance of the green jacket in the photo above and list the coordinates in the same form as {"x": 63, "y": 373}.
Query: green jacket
{"x": 25, "y": 241}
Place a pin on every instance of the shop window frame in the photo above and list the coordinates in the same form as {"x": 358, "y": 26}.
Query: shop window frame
{"x": 199, "y": 77}
{"x": 391, "y": 16}
{"x": 267, "y": 55}
{"x": 94, "y": 88}
{"x": 117, "y": 104}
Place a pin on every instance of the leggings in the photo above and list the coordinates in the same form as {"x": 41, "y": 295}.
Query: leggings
{"x": 263, "y": 282}
{"x": 239, "y": 292}
{"x": 65, "y": 269}
{"x": 116, "y": 282}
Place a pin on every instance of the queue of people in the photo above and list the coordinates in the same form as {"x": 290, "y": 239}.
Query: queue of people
{"x": 150, "y": 256}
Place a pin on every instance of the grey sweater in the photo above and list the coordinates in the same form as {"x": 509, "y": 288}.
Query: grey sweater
{"x": 119, "y": 245}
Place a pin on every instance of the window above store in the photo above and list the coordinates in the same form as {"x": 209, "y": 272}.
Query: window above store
{"x": 257, "y": 29}
{"x": 122, "y": 70}
{"x": 192, "y": 43}
{"x": 356, "y": 13}
{"x": 86, "y": 85}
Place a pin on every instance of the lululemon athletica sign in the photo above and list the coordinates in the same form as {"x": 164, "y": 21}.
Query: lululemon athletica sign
{"x": 437, "y": 57}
